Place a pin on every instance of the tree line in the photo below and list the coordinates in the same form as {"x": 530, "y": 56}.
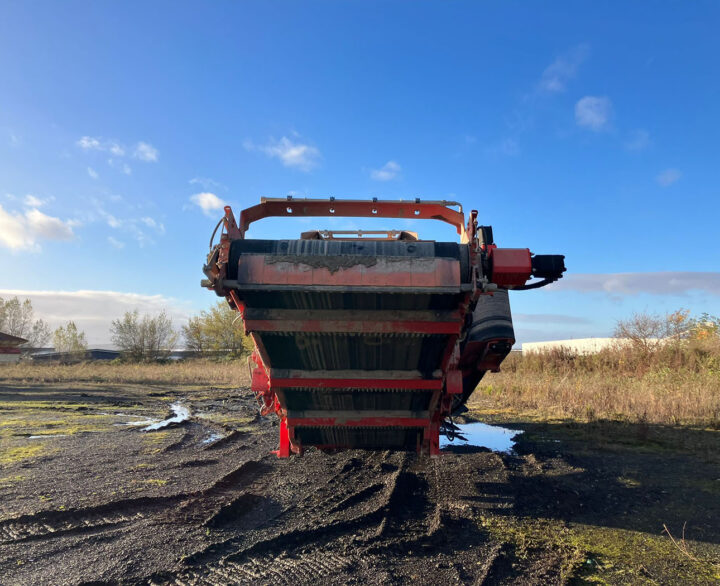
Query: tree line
{"x": 139, "y": 337}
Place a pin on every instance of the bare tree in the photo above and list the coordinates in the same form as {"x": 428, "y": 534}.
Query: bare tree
{"x": 18, "y": 319}
{"x": 146, "y": 338}
{"x": 646, "y": 331}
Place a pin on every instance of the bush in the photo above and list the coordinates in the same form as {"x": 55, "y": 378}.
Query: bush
{"x": 146, "y": 338}
{"x": 69, "y": 340}
{"x": 217, "y": 330}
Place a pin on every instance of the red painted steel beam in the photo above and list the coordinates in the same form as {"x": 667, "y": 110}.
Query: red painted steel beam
{"x": 359, "y": 422}
{"x": 351, "y": 208}
{"x": 350, "y": 326}
{"x": 357, "y": 383}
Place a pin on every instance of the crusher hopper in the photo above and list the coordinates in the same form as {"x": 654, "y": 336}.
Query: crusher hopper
{"x": 369, "y": 339}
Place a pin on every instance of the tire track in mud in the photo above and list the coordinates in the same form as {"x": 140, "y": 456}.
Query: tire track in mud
{"x": 55, "y": 523}
{"x": 376, "y": 514}
{"x": 303, "y": 536}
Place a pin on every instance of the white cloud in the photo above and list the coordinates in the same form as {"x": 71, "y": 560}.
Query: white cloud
{"x": 593, "y": 112}
{"x": 655, "y": 283}
{"x": 132, "y": 227}
{"x": 115, "y": 243}
{"x": 152, "y": 223}
{"x": 142, "y": 150}
{"x": 208, "y": 202}
{"x": 146, "y": 152}
{"x": 292, "y": 154}
{"x": 387, "y": 172}
{"x": 34, "y": 202}
{"x": 563, "y": 69}
{"x": 111, "y": 220}
{"x": 638, "y": 140}
{"x": 126, "y": 169}
{"x": 668, "y": 177}
{"x": 93, "y": 311}
{"x": 24, "y": 231}
{"x": 206, "y": 183}
{"x": 92, "y": 172}
{"x": 90, "y": 143}
{"x": 115, "y": 149}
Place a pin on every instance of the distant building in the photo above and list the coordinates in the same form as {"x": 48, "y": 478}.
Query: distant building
{"x": 10, "y": 348}
{"x": 578, "y": 346}
{"x": 91, "y": 354}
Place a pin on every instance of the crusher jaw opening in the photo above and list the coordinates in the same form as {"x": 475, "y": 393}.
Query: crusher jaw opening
{"x": 370, "y": 339}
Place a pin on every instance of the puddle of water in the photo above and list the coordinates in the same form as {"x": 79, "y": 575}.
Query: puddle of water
{"x": 212, "y": 438}
{"x": 181, "y": 412}
{"x": 47, "y": 435}
{"x": 138, "y": 423}
{"x": 497, "y": 439}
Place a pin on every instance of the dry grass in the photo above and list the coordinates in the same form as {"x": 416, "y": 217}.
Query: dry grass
{"x": 191, "y": 372}
{"x": 676, "y": 383}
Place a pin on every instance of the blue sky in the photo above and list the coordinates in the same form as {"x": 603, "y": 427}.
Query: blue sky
{"x": 589, "y": 129}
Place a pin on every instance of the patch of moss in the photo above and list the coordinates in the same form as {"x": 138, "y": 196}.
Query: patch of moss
{"x": 9, "y": 480}
{"x": 155, "y": 481}
{"x": 54, "y": 405}
{"x": 601, "y": 555}
{"x": 14, "y": 455}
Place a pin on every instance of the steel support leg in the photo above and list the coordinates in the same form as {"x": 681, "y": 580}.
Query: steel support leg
{"x": 283, "y": 450}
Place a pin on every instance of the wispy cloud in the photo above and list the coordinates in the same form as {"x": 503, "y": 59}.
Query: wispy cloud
{"x": 293, "y": 154}
{"x": 208, "y": 202}
{"x": 159, "y": 227}
{"x": 35, "y": 202}
{"x": 654, "y": 283}
{"x": 92, "y": 172}
{"x": 93, "y": 311}
{"x": 668, "y": 177}
{"x": 142, "y": 150}
{"x": 390, "y": 170}
{"x": 206, "y": 183}
{"x": 115, "y": 243}
{"x": 90, "y": 143}
{"x": 638, "y": 140}
{"x": 593, "y": 112}
{"x": 141, "y": 229}
{"x": 556, "y": 75}
{"x": 145, "y": 152}
{"x": 26, "y": 230}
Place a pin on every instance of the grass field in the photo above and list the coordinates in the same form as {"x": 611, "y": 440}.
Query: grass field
{"x": 671, "y": 384}
{"x": 233, "y": 373}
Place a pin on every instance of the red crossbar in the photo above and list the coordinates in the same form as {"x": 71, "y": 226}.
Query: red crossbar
{"x": 353, "y": 326}
{"x": 352, "y": 208}
{"x": 357, "y": 383}
{"x": 359, "y": 422}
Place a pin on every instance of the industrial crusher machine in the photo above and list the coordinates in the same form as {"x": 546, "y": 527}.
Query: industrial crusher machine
{"x": 370, "y": 339}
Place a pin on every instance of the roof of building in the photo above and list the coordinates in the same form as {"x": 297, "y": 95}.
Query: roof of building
{"x": 8, "y": 340}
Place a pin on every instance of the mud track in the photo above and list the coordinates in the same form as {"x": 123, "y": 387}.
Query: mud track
{"x": 207, "y": 503}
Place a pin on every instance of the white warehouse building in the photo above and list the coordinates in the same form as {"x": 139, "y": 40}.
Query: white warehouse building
{"x": 578, "y": 346}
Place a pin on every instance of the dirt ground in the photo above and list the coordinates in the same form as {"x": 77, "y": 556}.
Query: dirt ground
{"x": 86, "y": 498}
